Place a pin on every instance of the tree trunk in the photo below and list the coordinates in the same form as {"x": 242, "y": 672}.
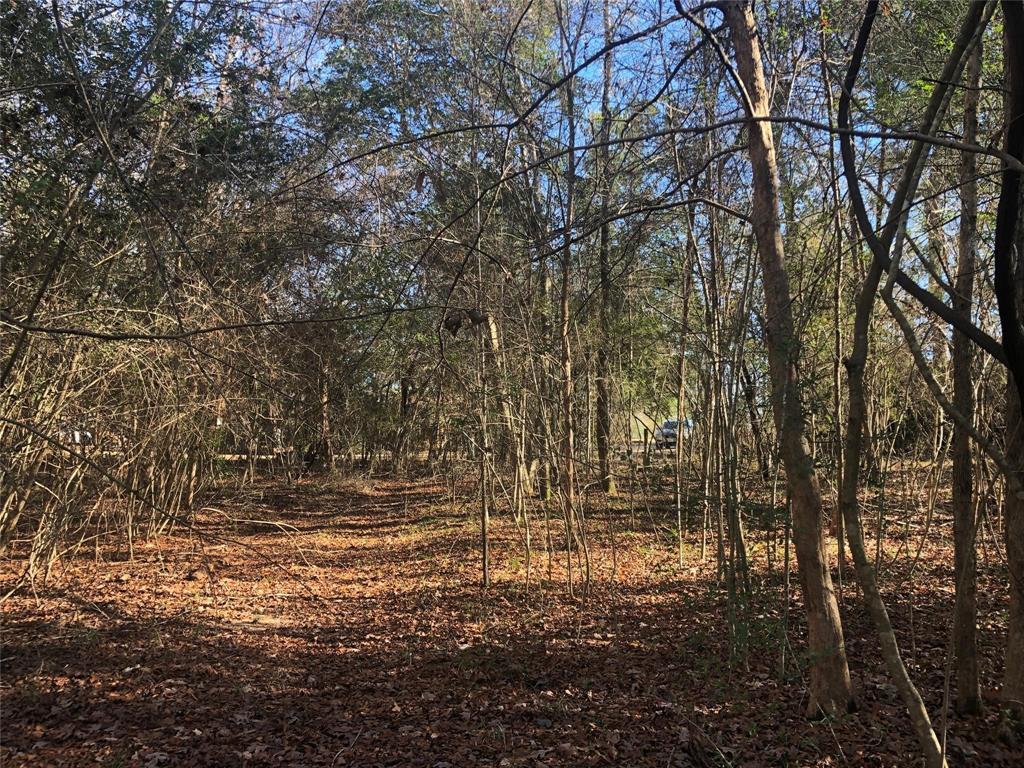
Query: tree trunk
{"x": 1009, "y": 294}
{"x": 965, "y": 650}
{"x": 837, "y": 313}
{"x": 1013, "y": 521}
{"x": 685, "y": 283}
{"x": 604, "y": 390}
{"x": 829, "y": 675}
{"x": 885, "y": 251}
{"x": 483, "y": 449}
{"x": 567, "y": 474}
{"x": 750, "y": 397}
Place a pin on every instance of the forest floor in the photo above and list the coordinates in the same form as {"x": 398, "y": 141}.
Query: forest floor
{"x": 342, "y": 624}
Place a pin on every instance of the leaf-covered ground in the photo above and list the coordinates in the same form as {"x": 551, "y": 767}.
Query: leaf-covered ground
{"x": 344, "y": 625}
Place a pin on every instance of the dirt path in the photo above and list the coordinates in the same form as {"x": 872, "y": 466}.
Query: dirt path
{"x": 343, "y": 626}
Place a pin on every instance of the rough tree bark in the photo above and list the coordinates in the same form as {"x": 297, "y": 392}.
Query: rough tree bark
{"x": 829, "y": 674}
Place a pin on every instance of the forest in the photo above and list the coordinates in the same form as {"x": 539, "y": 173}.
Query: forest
{"x": 447, "y": 383}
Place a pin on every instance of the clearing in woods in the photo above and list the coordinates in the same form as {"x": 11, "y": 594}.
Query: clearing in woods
{"x": 342, "y": 624}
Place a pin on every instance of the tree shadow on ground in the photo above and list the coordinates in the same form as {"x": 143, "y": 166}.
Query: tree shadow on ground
{"x": 395, "y": 656}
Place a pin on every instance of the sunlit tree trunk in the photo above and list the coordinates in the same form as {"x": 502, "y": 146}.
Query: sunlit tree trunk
{"x": 829, "y": 675}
